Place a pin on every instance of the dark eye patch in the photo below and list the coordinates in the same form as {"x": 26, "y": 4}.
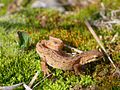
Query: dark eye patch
{"x": 56, "y": 42}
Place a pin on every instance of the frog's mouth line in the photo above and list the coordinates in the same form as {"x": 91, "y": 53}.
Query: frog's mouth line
{"x": 93, "y": 59}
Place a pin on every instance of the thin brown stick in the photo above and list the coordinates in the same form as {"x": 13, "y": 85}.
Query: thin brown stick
{"x": 99, "y": 42}
{"x": 33, "y": 79}
{"x": 41, "y": 80}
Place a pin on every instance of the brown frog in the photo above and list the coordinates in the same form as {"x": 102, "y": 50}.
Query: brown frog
{"x": 51, "y": 53}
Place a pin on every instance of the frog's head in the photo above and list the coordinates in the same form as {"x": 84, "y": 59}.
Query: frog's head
{"x": 90, "y": 56}
{"x": 55, "y": 43}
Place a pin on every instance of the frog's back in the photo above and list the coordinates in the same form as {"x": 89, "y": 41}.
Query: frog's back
{"x": 59, "y": 60}
{"x": 56, "y": 59}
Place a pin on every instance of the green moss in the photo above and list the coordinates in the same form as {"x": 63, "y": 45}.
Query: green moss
{"x": 18, "y": 65}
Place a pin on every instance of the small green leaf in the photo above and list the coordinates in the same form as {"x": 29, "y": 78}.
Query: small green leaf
{"x": 24, "y": 39}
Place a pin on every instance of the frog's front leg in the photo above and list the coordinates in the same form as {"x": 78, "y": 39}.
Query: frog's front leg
{"x": 76, "y": 68}
{"x": 44, "y": 67}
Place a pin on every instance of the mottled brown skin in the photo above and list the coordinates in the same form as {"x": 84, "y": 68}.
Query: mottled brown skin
{"x": 59, "y": 59}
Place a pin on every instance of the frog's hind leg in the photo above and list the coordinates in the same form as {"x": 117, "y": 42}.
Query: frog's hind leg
{"x": 76, "y": 68}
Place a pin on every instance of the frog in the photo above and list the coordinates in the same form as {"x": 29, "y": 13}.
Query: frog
{"x": 52, "y": 54}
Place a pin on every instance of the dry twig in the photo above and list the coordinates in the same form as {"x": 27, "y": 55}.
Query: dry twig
{"x": 33, "y": 79}
{"x": 99, "y": 42}
{"x": 107, "y": 20}
{"x": 10, "y": 87}
{"x": 41, "y": 80}
{"x": 15, "y": 86}
{"x": 26, "y": 87}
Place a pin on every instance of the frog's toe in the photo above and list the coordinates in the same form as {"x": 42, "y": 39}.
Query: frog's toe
{"x": 46, "y": 72}
{"x": 77, "y": 73}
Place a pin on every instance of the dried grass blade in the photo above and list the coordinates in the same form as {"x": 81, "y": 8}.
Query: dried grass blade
{"x": 10, "y": 87}
{"x": 99, "y": 42}
{"x": 33, "y": 79}
{"x": 26, "y": 87}
{"x": 41, "y": 80}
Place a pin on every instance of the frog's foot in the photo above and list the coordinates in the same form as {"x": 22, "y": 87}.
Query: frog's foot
{"x": 45, "y": 69}
{"x": 76, "y": 68}
{"x": 46, "y": 72}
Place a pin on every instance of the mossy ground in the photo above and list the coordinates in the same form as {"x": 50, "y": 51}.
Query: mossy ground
{"x": 17, "y": 65}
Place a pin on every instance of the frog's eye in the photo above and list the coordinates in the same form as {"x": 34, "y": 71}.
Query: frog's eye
{"x": 56, "y": 42}
{"x": 97, "y": 57}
